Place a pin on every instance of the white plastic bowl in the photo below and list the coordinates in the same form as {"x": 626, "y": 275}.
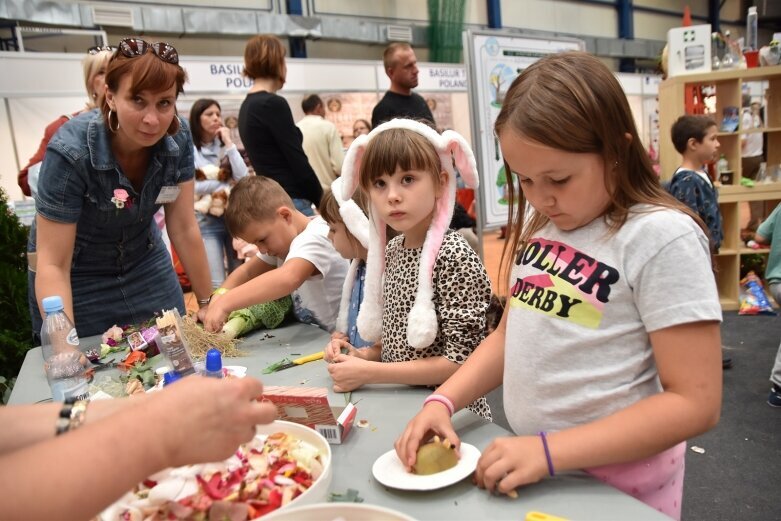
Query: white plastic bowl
{"x": 318, "y": 492}
{"x": 331, "y": 511}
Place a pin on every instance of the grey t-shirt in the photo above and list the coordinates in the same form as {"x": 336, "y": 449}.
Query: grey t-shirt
{"x": 582, "y": 304}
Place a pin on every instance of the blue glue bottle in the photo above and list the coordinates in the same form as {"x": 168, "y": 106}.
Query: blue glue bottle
{"x": 213, "y": 364}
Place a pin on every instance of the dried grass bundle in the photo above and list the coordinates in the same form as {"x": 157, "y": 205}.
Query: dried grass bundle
{"x": 200, "y": 341}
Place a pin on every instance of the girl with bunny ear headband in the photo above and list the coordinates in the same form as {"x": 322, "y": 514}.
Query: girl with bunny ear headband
{"x": 426, "y": 295}
{"x": 349, "y": 233}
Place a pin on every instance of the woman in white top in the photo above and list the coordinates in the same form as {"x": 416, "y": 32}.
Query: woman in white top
{"x": 214, "y": 147}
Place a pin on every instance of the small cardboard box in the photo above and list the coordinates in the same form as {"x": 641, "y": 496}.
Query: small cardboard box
{"x": 309, "y": 406}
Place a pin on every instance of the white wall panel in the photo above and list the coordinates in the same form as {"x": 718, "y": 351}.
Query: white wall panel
{"x": 654, "y": 27}
{"x": 398, "y": 9}
{"x": 561, "y": 16}
{"x": 697, "y": 7}
{"x": 262, "y": 5}
{"x": 8, "y": 168}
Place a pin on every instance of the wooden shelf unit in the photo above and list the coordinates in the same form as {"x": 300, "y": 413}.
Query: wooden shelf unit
{"x": 733, "y": 197}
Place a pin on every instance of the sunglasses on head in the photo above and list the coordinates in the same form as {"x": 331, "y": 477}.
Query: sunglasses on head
{"x": 134, "y": 47}
{"x": 100, "y": 48}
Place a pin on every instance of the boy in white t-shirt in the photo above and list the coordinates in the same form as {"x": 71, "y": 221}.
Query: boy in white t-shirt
{"x": 295, "y": 258}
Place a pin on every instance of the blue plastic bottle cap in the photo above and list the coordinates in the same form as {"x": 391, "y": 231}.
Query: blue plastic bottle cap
{"x": 213, "y": 361}
{"x": 170, "y": 377}
{"x": 52, "y": 304}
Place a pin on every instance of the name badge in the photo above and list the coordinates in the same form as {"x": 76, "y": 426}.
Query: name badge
{"x": 168, "y": 194}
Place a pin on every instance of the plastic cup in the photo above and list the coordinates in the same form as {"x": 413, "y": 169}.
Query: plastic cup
{"x": 752, "y": 58}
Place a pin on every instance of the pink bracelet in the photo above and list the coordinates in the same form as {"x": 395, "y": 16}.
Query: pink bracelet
{"x": 444, "y": 400}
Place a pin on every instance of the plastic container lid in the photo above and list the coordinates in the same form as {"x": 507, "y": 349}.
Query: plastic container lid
{"x": 170, "y": 377}
{"x": 52, "y": 304}
{"x": 213, "y": 360}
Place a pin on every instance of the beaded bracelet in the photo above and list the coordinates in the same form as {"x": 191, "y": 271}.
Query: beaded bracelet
{"x": 544, "y": 439}
{"x": 71, "y": 415}
{"x": 444, "y": 400}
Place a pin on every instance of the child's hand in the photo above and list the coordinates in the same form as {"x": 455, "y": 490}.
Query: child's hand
{"x": 338, "y": 335}
{"x": 336, "y": 346}
{"x": 215, "y": 317}
{"x": 348, "y": 372}
{"x": 333, "y": 349}
{"x": 432, "y": 419}
{"x": 508, "y": 463}
{"x": 202, "y": 312}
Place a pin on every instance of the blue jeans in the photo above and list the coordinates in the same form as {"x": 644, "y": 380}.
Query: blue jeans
{"x": 304, "y": 206}
{"x": 219, "y": 245}
{"x": 107, "y": 292}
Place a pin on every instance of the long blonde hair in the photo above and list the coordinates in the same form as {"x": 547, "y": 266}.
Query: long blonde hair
{"x": 91, "y": 65}
{"x": 571, "y": 101}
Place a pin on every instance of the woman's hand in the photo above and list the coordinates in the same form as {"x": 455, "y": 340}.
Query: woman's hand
{"x": 510, "y": 462}
{"x": 225, "y": 136}
{"x": 433, "y": 419}
{"x": 206, "y": 419}
{"x": 349, "y": 372}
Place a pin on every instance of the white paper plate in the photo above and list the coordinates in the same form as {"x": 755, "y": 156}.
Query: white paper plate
{"x": 389, "y": 471}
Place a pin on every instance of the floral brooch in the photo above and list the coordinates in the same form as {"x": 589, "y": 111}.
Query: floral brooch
{"x": 121, "y": 199}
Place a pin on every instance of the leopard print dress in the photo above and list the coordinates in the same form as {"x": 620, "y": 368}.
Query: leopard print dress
{"x": 462, "y": 291}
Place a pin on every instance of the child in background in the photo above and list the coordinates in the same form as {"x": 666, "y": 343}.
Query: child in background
{"x": 349, "y": 232}
{"x": 295, "y": 258}
{"x": 769, "y": 232}
{"x": 694, "y": 137}
{"x": 609, "y": 344}
{"x": 430, "y": 312}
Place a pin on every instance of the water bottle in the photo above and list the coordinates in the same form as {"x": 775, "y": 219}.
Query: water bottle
{"x": 63, "y": 361}
{"x": 751, "y": 28}
{"x": 714, "y": 52}
{"x": 213, "y": 364}
{"x": 722, "y": 165}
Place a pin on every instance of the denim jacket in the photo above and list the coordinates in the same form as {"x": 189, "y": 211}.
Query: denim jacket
{"x": 77, "y": 182}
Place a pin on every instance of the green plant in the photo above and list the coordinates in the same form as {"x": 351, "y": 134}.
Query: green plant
{"x": 15, "y": 338}
{"x": 5, "y": 389}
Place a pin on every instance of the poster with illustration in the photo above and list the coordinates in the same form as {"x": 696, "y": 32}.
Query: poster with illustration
{"x": 494, "y": 60}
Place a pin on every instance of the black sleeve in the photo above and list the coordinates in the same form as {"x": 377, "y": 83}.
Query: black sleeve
{"x": 289, "y": 138}
{"x": 379, "y": 114}
{"x": 460, "y": 218}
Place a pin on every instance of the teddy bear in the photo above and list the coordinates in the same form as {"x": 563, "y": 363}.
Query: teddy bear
{"x": 213, "y": 204}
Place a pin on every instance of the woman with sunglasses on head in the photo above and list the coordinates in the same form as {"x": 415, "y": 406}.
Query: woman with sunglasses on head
{"x": 270, "y": 136}
{"x": 94, "y": 66}
{"x": 104, "y": 176}
{"x": 213, "y": 148}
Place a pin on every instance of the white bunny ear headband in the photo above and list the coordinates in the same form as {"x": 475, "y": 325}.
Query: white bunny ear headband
{"x": 422, "y": 326}
{"x": 357, "y": 224}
